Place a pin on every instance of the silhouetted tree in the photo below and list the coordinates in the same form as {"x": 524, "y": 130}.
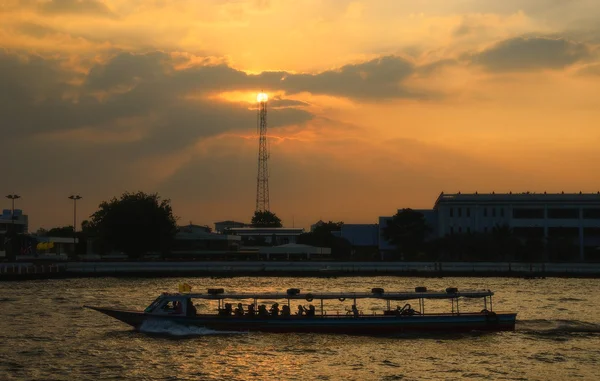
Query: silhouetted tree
{"x": 41, "y": 232}
{"x": 407, "y": 230}
{"x": 328, "y": 227}
{"x": 63, "y": 231}
{"x": 265, "y": 219}
{"x": 136, "y": 223}
{"x": 322, "y": 236}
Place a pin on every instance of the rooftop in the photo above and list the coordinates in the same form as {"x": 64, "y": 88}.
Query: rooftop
{"x": 523, "y": 197}
{"x": 267, "y": 230}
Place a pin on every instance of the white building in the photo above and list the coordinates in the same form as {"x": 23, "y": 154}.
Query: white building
{"x": 540, "y": 215}
{"x": 221, "y": 226}
{"x": 543, "y": 215}
{"x": 20, "y": 222}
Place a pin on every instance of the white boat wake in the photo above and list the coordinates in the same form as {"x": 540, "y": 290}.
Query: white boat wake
{"x": 165, "y": 327}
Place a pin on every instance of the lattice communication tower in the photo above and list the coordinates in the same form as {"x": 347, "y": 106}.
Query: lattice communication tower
{"x": 262, "y": 179}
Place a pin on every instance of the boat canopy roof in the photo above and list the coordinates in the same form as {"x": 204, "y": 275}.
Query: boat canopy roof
{"x": 408, "y": 295}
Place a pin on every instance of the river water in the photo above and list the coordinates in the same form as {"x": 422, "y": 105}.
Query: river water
{"x": 47, "y": 335}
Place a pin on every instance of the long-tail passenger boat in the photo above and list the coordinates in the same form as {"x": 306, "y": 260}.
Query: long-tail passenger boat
{"x": 179, "y": 308}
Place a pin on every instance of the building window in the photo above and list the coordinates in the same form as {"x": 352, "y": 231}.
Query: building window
{"x": 493, "y": 212}
{"x": 563, "y": 213}
{"x": 485, "y": 212}
{"x": 591, "y": 213}
{"x": 468, "y": 212}
{"x": 460, "y": 212}
{"x": 451, "y": 212}
{"x": 528, "y": 213}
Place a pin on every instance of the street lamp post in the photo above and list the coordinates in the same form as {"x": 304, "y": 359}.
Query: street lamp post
{"x": 75, "y": 197}
{"x": 12, "y": 197}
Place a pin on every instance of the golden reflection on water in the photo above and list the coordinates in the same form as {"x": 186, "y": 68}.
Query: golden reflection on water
{"x": 47, "y": 335}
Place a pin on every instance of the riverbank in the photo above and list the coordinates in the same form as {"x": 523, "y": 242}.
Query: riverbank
{"x": 20, "y": 271}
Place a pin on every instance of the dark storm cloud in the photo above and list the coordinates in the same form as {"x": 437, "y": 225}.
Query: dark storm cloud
{"x": 533, "y": 53}
{"x": 126, "y": 68}
{"x": 378, "y": 78}
{"x": 137, "y": 85}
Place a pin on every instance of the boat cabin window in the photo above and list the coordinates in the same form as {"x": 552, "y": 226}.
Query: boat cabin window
{"x": 166, "y": 305}
{"x": 154, "y": 304}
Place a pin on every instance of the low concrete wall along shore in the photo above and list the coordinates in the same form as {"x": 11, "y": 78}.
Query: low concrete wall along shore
{"x": 20, "y": 271}
{"x": 336, "y": 268}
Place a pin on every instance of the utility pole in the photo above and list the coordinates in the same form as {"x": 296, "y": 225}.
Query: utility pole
{"x": 75, "y": 197}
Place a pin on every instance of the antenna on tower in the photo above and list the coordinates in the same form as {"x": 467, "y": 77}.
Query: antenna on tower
{"x": 262, "y": 179}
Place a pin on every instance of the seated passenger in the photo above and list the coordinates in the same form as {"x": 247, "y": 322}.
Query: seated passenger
{"x": 226, "y": 310}
{"x": 275, "y": 309}
{"x": 239, "y": 311}
{"x": 262, "y": 310}
{"x": 251, "y": 310}
{"x": 311, "y": 311}
{"x": 354, "y": 310}
{"x": 285, "y": 310}
{"x": 407, "y": 310}
{"x": 300, "y": 310}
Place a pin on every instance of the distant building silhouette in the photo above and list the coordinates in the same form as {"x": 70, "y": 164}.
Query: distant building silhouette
{"x": 221, "y": 226}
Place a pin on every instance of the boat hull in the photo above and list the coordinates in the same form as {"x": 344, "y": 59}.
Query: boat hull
{"x": 365, "y": 324}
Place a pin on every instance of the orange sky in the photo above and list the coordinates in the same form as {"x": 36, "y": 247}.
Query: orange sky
{"x": 374, "y": 105}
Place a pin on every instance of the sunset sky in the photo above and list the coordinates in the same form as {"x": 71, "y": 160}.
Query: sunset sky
{"x": 373, "y": 105}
